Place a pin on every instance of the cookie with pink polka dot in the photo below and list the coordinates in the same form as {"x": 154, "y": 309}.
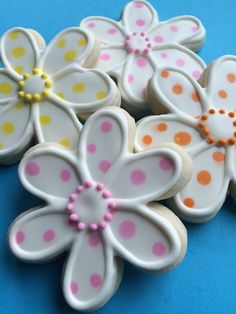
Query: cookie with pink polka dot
{"x": 96, "y": 208}
{"x": 202, "y": 120}
{"x": 134, "y": 47}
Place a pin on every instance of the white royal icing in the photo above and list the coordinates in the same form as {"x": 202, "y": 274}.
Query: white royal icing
{"x": 133, "y": 48}
{"x": 41, "y": 89}
{"x": 203, "y": 122}
{"x": 96, "y": 208}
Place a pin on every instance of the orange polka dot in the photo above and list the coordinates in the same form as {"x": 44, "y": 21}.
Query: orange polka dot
{"x": 165, "y": 74}
{"x": 182, "y": 138}
{"x": 223, "y": 94}
{"x": 231, "y": 78}
{"x": 218, "y": 156}
{"x": 177, "y": 89}
{"x": 147, "y": 139}
{"x": 162, "y": 127}
{"x": 204, "y": 177}
{"x": 195, "y": 97}
{"x": 189, "y": 202}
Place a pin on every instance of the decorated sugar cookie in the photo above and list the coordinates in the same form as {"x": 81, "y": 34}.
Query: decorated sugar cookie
{"x": 41, "y": 88}
{"x": 203, "y": 122}
{"x": 96, "y": 208}
{"x": 133, "y": 48}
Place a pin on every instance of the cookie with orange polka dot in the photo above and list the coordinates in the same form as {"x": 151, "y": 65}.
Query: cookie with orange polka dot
{"x": 201, "y": 118}
{"x": 44, "y": 89}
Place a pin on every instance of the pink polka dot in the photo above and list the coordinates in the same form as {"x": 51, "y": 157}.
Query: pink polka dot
{"x": 94, "y": 240}
{"x": 194, "y": 29}
{"x": 105, "y": 57}
{"x": 141, "y": 62}
{"x": 91, "y": 25}
{"x": 137, "y": 177}
{"x": 49, "y": 235}
{"x": 127, "y": 229}
{"x": 196, "y": 74}
{"x": 158, "y": 249}
{"x": 174, "y": 29}
{"x": 106, "y": 127}
{"x": 138, "y": 5}
{"x": 112, "y": 31}
{"x": 180, "y": 62}
{"x": 140, "y": 22}
{"x": 32, "y": 169}
{"x": 20, "y": 237}
{"x": 165, "y": 164}
{"x": 95, "y": 280}
{"x": 65, "y": 175}
{"x": 158, "y": 39}
{"x": 74, "y": 288}
{"x": 104, "y": 165}
{"x": 130, "y": 78}
{"x": 164, "y": 55}
{"x": 91, "y": 148}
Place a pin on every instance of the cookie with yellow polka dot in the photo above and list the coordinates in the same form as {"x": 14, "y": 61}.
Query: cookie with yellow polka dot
{"x": 202, "y": 120}
{"x": 44, "y": 89}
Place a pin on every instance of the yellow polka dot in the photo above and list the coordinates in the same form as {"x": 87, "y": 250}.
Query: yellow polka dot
{"x": 61, "y": 95}
{"x": 1, "y": 145}
{"x": 101, "y": 95}
{"x": 14, "y": 35}
{"x": 82, "y": 42}
{"x": 6, "y": 88}
{"x": 8, "y": 128}
{"x": 19, "y": 69}
{"x": 65, "y": 142}
{"x": 70, "y": 55}
{"x": 61, "y": 43}
{"x": 78, "y": 88}
{"x": 19, "y": 106}
{"x": 45, "y": 119}
{"x": 18, "y": 52}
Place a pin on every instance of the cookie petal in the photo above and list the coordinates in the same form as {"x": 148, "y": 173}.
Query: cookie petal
{"x": 90, "y": 277}
{"x": 146, "y": 176}
{"x": 106, "y": 30}
{"x": 177, "y": 92}
{"x": 139, "y": 16}
{"x": 205, "y": 193}
{"x": 85, "y": 90}
{"x": 40, "y": 234}
{"x": 49, "y": 172}
{"x": 8, "y": 87}
{"x": 185, "y": 30}
{"x": 49, "y": 118}
{"x": 221, "y": 83}
{"x": 71, "y": 45}
{"x": 112, "y": 59}
{"x": 156, "y": 130}
{"x": 103, "y": 139}
{"x": 145, "y": 239}
{"x": 19, "y": 51}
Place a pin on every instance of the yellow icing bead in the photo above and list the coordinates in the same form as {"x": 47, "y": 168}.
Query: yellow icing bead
{"x": 26, "y": 76}
{"x": 100, "y": 95}
{"x": 65, "y": 142}
{"x": 19, "y": 69}
{"x": 28, "y": 97}
{"x": 61, "y": 43}
{"x": 78, "y": 88}
{"x": 61, "y": 95}
{"x": 13, "y": 35}
{"x": 44, "y": 76}
{"x": 18, "y": 52}
{"x": 19, "y": 106}
{"x": 8, "y": 128}
{"x": 82, "y": 42}
{"x": 45, "y": 93}
{"x": 21, "y": 83}
{"x": 48, "y": 84}
{"x": 45, "y": 119}
{"x": 35, "y": 71}
{"x": 6, "y": 88}
{"x": 70, "y": 55}
{"x": 36, "y": 97}
{"x": 21, "y": 94}
{"x": 1, "y": 145}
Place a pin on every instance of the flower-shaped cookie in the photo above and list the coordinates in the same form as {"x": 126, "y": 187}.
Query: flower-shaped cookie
{"x": 96, "y": 207}
{"x": 203, "y": 122}
{"x": 133, "y": 48}
{"x": 40, "y": 89}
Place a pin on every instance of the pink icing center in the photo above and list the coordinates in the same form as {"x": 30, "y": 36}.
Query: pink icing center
{"x": 138, "y": 43}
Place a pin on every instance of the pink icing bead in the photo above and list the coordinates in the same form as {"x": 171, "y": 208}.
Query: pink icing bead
{"x": 165, "y": 164}
{"x": 196, "y": 74}
{"x": 70, "y": 207}
{"x": 194, "y": 29}
{"x": 112, "y": 31}
{"x": 158, "y": 39}
{"x": 142, "y": 62}
{"x": 104, "y": 165}
{"x": 108, "y": 216}
{"x": 102, "y": 225}
{"x": 180, "y": 62}
{"x": 81, "y": 226}
{"x": 106, "y": 194}
{"x": 174, "y": 29}
{"x": 106, "y": 127}
{"x": 20, "y": 237}
{"x": 91, "y": 148}
{"x": 93, "y": 227}
{"x": 140, "y": 22}
{"x": 127, "y": 229}
{"x": 164, "y": 55}
{"x": 88, "y": 184}
{"x": 100, "y": 187}
{"x": 74, "y": 288}
{"x": 130, "y": 78}
{"x": 112, "y": 205}
{"x": 32, "y": 169}
{"x": 95, "y": 280}
{"x": 73, "y": 197}
{"x": 91, "y": 25}
{"x": 74, "y": 217}
{"x": 80, "y": 189}
{"x": 159, "y": 249}
{"x": 105, "y": 57}
{"x": 49, "y": 235}
{"x": 138, "y": 5}
{"x": 65, "y": 175}
{"x": 94, "y": 240}
{"x": 137, "y": 177}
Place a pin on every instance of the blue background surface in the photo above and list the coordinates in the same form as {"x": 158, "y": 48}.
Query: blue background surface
{"x": 206, "y": 281}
